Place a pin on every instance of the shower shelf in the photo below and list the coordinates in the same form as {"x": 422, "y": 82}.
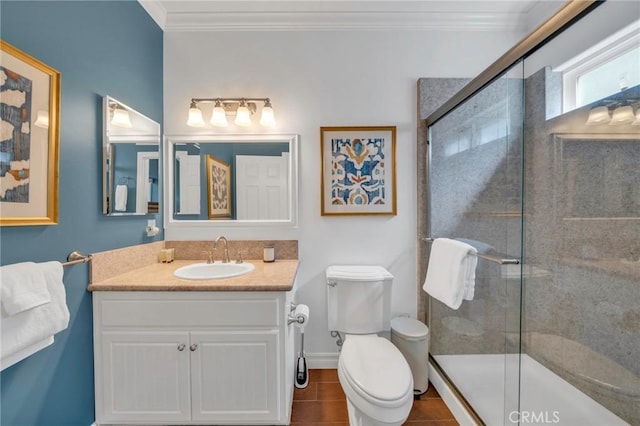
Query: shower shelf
{"x": 488, "y": 257}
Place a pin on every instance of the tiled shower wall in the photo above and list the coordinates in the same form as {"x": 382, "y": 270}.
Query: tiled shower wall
{"x": 581, "y": 313}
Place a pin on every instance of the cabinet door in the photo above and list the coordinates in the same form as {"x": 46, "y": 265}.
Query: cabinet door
{"x": 235, "y": 376}
{"x": 145, "y": 376}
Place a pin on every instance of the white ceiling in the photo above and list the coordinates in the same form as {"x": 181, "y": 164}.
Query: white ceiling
{"x": 238, "y": 15}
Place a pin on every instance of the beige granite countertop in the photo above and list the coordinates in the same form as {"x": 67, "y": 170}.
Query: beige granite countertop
{"x": 276, "y": 276}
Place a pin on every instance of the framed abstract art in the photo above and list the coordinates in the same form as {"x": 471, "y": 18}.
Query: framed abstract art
{"x": 358, "y": 170}
{"x": 218, "y": 187}
{"x": 29, "y": 129}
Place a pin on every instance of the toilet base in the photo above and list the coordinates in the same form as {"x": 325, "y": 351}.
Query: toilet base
{"x": 358, "y": 418}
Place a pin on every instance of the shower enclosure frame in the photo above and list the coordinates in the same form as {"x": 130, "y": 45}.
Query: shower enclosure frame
{"x": 571, "y": 12}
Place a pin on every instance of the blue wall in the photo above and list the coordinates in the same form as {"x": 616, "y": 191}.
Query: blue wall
{"x": 100, "y": 48}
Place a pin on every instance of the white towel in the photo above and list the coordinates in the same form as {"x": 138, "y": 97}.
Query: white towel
{"x": 451, "y": 272}
{"x": 27, "y": 328}
{"x": 21, "y": 354}
{"x": 488, "y": 269}
{"x": 23, "y": 287}
{"x": 121, "y": 198}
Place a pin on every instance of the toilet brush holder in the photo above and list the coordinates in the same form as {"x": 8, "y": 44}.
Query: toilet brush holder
{"x": 300, "y": 316}
{"x": 302, "y": 372}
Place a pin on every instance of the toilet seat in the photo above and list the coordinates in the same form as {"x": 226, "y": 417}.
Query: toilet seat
{"x": 375, "y": 374}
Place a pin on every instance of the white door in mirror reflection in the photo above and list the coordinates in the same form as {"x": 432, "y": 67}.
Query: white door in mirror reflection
{"x": 189, "y": 183}
{"x": 144, "y": 182}
{"x": 262, "y": 187}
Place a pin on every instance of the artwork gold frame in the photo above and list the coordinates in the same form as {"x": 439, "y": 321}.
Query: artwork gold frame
{"x": 218, "y": 188}
{"x": 30, "y": 94}
{"x": 358, "y": 170}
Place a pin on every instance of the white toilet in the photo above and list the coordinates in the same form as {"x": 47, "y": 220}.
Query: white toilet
{"x": 373, "y": 373}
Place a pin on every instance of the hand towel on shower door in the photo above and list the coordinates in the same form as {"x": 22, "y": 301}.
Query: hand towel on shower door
{"x": 121, "y": 198}
{"x": 451, "y": 271}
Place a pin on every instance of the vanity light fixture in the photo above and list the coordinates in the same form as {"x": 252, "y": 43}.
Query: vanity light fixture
{"x": 120, "y": 117}
{"x": 241, "y": 108}
{"x": 615, "y": 113}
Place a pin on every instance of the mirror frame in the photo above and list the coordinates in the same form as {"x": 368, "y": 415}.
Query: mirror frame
{"x": 144, "y": 131}
{"x": 171, "y": 223}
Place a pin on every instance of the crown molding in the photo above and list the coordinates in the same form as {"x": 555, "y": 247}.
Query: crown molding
{"x": 279, "y": 21}
{"x": 156, "y": 10}
{"x": 318, "y": 15}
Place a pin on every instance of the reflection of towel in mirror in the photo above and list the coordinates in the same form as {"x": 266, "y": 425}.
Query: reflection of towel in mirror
{"x": 121, "y": 198}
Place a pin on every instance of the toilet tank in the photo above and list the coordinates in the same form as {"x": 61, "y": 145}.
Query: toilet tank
{"x": 358, "y": 298}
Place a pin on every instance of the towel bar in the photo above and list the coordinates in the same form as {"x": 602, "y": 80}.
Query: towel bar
{"x": 488, "y": 257}
{"x": 76, "y": 257}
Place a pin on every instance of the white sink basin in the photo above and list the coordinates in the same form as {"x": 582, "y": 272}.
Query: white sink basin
{"x": 213, "y": 271}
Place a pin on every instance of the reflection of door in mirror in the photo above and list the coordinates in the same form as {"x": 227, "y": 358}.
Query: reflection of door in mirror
{"x": 262, "y": 187}
{"x": 134, "y": 169}
{"x": 187, "y": 183}
{"x": 260, "y": 176}
{"x": 147, "y": 182}
{"x": 131, "y": 161}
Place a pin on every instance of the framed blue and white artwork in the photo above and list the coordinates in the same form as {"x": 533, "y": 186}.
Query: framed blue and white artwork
{"x": 358, "y": 170}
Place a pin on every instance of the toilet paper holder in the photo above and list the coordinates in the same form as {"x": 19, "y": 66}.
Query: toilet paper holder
{"x": 291, "y": 319}
{"x": 295, "y": 319}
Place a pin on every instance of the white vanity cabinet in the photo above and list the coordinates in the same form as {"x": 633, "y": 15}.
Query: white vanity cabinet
{"x": 167, "y": 357}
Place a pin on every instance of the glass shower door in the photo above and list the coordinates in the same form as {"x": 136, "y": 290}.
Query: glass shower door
{"x": 475, "y": 179}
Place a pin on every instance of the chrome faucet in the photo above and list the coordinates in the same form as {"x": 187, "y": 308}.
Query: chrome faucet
{"x": 225, "y": 256}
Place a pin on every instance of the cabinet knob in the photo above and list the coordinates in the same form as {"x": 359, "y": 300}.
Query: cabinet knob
{"x": 181, "y": 347}
{"x": 193, "y": 347}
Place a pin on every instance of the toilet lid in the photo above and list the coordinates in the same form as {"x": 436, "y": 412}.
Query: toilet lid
{"x": 375, "y": 368}
{"x": 357, "y": 273}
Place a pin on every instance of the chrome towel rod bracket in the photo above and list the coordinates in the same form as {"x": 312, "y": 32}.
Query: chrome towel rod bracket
{"x": 490, "y": 258}
{"x": 76, "y": 257}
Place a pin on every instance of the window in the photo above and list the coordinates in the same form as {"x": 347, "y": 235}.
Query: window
{"x": 606, "y": 68}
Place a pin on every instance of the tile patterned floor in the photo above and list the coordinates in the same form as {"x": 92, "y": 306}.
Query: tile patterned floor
{"x": 322, "y": 403}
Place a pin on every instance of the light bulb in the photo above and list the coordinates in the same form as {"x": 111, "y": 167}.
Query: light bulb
{"x": 622, "y": 115}
{"x": 267, "y": 118}
{"x": 598, "y": 115}
{"x": 243, "y": 116}
{"x": 42, "y": 119}
{"x": 195, "y": 116}
{"x": 121, "y": 118}
{"x": 219, "y": 116}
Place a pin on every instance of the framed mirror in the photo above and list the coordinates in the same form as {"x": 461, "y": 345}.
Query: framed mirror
{"x": 231, "y": 180}
{"x": 131, "y": 161}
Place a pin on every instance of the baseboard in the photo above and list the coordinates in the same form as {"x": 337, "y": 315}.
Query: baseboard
{"x": 446, "y": 393}
{"x": 322, "y": 360}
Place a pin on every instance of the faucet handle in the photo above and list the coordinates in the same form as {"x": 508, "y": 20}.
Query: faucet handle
{"x": 240, "y": 253}
{"x": 209, "y": 256}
